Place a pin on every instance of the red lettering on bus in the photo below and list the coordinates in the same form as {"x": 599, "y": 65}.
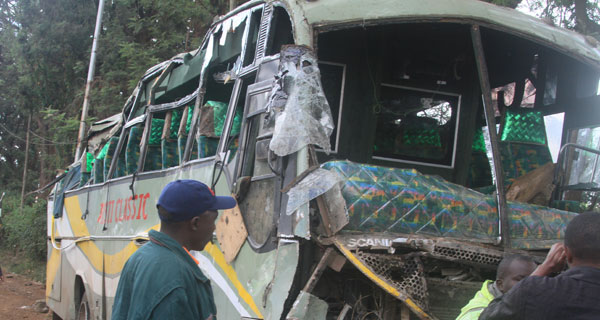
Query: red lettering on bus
{"x": 124, "y": 209}
{"x": 119, "y": 212}
{"x": 142, "y": 206}
{"x": 111, "y": 211}
{"x": 101, "y": 213}
{"x": 144, "y": 215}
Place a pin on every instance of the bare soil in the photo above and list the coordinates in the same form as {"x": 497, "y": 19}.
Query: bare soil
{"x": 17, "y": 295}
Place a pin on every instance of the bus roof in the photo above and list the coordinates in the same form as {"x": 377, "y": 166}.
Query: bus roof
{"x": 323, "y": 14}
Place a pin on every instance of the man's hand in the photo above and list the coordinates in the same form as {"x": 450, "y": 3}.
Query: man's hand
{"x": 555, "y": 261}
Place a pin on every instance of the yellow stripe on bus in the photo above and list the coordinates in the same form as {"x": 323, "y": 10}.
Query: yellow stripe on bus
{"x": 52, "y": 269}
{"x": 219, "y": 258}
{"x": 113, "y": 263}
{"x": 53, "y": 264}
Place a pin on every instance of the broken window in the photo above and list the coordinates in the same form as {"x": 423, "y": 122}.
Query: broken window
{"x": 280, "y": 31}
{"x": 416, "y": 125}
{"x": 252, "y": 39}
{"x": 585, "y": 166}
{"x": 332, "y": 79}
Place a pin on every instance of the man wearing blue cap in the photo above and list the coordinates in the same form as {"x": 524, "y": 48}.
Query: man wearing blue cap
{"x": 162, "y": 279}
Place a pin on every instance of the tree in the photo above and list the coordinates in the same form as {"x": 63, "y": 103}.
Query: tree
{"x": 580, "y": 15}
{"x": 44, "y": 55}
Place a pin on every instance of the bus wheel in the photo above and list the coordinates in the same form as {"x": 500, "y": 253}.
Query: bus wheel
{"x": 83, "y": 312}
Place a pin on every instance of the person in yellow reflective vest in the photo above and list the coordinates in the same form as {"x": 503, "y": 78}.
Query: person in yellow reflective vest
{"x": 511, "y": 270}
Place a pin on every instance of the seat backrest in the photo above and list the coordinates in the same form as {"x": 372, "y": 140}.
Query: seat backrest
{"x": 480, "y": 173}
{"x": 523, "y": 143}
{"x": 132, "y": 150}
{"x": 112, "y": 146}
{"x": 154, "y": 155}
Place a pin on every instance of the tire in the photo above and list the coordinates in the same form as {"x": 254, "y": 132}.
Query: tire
{"x": 83, "y": 311}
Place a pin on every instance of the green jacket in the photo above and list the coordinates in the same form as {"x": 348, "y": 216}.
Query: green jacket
{"x": 479, "y": 302}
{"x": 161, "y": 281}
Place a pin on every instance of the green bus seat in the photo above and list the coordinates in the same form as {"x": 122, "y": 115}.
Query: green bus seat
{"x": 523, "y": 143}
{"x": 154, "y": 153}
{"x": 169, "y": 154}
{"x": 112, "y": 146}
{"x": 480, "y": 173}
{"x": 132, "y": 150}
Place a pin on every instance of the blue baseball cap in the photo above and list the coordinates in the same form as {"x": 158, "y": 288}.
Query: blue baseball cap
{"x": 185, "y": 199}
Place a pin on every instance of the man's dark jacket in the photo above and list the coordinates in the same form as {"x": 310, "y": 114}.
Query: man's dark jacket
{"x": 162, "y": 281}
{"x": 574, "y": 294}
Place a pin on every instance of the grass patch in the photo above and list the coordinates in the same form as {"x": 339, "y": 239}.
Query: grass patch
{"x": 20, "y": 263}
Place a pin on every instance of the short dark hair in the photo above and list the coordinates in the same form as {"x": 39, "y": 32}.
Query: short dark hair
{"x": 508, "y": 260}
{"x": 164, "y": 215}
{"x": 582, "y": 237}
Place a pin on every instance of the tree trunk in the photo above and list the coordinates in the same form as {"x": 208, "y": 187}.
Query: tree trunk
{"x": 583, "y": 22}
{"x": 25, "y": 163}
{"x": 44, "y": 151}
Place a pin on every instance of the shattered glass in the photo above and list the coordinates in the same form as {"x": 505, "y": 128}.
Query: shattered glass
{"x": 586, "y": 163}
{"x": 308, "y": 307}
{"x": 313, "y": 185}
{"x": 298, "y": 104}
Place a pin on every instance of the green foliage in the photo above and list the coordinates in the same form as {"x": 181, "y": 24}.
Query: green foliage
{"x": 139, "y": 34}
{"x": 44, "y": 55}
{"x": 24, "y": 231}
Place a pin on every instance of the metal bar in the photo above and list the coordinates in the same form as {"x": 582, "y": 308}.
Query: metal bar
{"x": 316, "y": 275}
{"x": 345, "y": 310}
{"x": 561, "y": 155}
{"x": 124, "y": 134}
{"x": 88, "y": 84}
{"x": 484, "y": 80}
{"x": 560, "y": 160}
{"x": 237, "y": 86}
{"x": 595, "y": 166}
{"x": 189, "y": 144}
{"x": 144, "y": 142}
{"x": 115, "y": 158}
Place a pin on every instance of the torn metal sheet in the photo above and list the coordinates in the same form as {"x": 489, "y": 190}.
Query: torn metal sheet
{"x": 338, "y": 213}
{"x": 306, "y": 117}
{"x": 103, "y": 130}
{"x": 283, "y": 277}
{"x": 231, "y": 232}
{"x": 313, "y": 185}
{"x": 302, "y": 222}
{"x": 209, "y": 52}
{"x": 308, "y": 307}
{"x": 229, "y": 25}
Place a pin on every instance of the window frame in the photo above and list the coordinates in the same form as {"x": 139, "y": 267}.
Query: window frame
{"x": 456, "y": 129}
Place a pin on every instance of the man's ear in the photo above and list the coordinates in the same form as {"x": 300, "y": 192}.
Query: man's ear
{"x": 569, "y": 255}
{"x": 194, "y": 222}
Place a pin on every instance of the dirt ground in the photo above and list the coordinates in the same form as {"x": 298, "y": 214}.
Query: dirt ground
{"x": 17, "y": 295}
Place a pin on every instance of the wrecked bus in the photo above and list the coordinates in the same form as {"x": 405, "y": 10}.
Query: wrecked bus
{"x": 354, "y": 135}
